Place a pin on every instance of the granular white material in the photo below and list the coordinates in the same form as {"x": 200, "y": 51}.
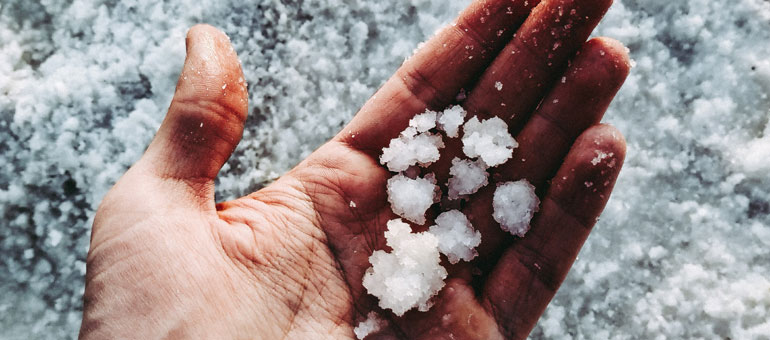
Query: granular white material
{"x": 456, "y": 237}
{"x": 410, "y": 198}
{"x": 424, "y": 121}
{"x": 467, "y": 177}
{"x": 450, "y": 120}
{"x": 415, "y": 145}
{"x": 514, "y": 205}
{"x": 410, "y": 275}
{"x": 488, "y": 140}
{"x": 373, "y": 323}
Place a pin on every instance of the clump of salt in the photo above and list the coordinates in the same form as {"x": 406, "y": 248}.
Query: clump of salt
{"x": 450, "y": 120}
{"x": 514, "y": 205}
{"x": 415, "y": 145}
{"x": 410, "y": 275}
{"x": 456, "y": 237}
{"x": 467, "y": 177}
{"x": 410, "y": 198}
{"x": 373, "y": 323}
{"x": 489, "y": 140}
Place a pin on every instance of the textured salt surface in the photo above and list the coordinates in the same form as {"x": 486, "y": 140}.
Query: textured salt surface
{"x": 514, "y": 205}
{"x": 466, "y": 177}
{"x": 415, "y": 145}
{"x": 489, "y": 140}
{"x": 680, "y": 252}
{"x": 408, "y": 276}
{"x": 411, "y": 198}
{"x": 456, "y": 237}
{"x": 373, "y": 323}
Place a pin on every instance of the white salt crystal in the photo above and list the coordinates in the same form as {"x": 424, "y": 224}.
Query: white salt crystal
{"x": 352, "y": 204}
{"x": 456, "y": 237}
{"x": 499, "y": 86}
{"x": 467, "y": 177}
{"x": 410, "y": 198}
{"x": 424, "y": 121}
{"x": 514, "y": 205}
{"x": 450, "y": 120}
{"x": 600, "y": 156}
{"x": 488, "y": 140}
{"x": 415, "y": 145}
{"x": 373, "y": 323}
{"x": 408, "y": 276}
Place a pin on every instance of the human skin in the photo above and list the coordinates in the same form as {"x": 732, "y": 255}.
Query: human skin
{"x": 287, "y": 261}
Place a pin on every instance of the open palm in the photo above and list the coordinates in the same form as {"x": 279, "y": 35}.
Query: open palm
{"x": 288, "y": 261}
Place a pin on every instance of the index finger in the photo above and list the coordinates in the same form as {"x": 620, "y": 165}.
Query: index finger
{"x": 433, "y": 77}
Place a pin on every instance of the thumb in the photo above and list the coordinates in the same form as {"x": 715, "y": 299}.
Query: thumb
{"x": 205, "y": 120}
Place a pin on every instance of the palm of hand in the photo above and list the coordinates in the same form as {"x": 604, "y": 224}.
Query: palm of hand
{"x": 287, "y": 261}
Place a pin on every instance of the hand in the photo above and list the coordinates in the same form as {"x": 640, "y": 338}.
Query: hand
{"x": 287, "y": 261}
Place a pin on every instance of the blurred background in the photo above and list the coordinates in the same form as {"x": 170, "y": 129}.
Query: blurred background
{"x": 682, "y": 251}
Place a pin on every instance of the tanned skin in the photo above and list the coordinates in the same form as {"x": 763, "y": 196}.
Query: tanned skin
{"x": 287, "y": 261}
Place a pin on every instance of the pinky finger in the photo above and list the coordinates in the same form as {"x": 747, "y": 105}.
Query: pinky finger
{"x": 530, "y": 271}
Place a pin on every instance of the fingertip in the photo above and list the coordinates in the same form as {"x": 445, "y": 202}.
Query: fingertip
{"x": 601, "y": 63}
{"x": 587, "y": 177}
{"x": 212, "y": 70}
{"x": 613, "y": 53}
{"x": 205, "y": 120}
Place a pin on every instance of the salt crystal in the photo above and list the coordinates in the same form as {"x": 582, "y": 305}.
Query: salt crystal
{"x": 352, "y": 204}
{"x": 467, "y": 177}
{"x": 410, "y": 198}
{"x": 411, "y": 148}
{"x": 514, "y": 205}
{"x": 372, "y": 324}
{"x": 410, "y": 275}
{"x": 424, "y": 121}
{"x": 489, "y": 140}
{"x": 456, "y": 237}
{"x": 450, "y": 120}
{"x": 600, "y": 156}
{"x": 499, "y": 86}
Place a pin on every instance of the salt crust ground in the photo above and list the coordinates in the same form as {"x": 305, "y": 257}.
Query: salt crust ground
{"x": 681, "y": 251}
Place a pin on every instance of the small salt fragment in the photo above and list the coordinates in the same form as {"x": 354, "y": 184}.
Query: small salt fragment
{"x": 489, "y": 140}
{"x": 514, "y": 205}
{"x": 410, "y": 198}
{"x": 450, "y": 120}
{"x": 224, "y": 86}
{"x": 456, "y": 237}
{"x": 499, "y": 86}
{"x": 372, "y": 324}
{"x": 410, "y": 275}
{"x": 352, "y": 204}
{"x": 467, "y": 177}
{"x": 600, "y": 156}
